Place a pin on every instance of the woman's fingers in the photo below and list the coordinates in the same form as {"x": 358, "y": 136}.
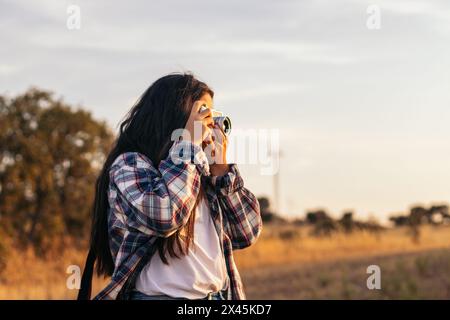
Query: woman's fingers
{"x": 202, "y": 115}
{"x": 220, "y": 136}
{"x": 208, "y": 137}
{"x": 198, "y": 105}
{"x": 209, "y": 122}
{"x": 205, "y": 113}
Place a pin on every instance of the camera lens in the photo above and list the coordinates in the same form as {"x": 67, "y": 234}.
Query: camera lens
{"x": 224, "y": 123}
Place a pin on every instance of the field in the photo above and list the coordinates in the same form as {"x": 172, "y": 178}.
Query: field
{"x": 417, "y": 275}
{"x": 286, "y": 263}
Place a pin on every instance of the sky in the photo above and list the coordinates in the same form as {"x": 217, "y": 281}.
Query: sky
{"x": 362, "y": 114}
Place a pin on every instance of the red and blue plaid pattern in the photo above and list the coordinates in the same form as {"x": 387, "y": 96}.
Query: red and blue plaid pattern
{"x": 148, "y": 202}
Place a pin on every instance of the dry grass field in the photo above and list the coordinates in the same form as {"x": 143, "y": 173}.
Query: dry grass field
{"x": 286, "y": 263}
{"x": 413, "y": 275}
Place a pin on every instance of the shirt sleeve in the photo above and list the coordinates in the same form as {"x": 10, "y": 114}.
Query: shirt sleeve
{"x": 158, "y": 201}
{"x": 240, "y": 207}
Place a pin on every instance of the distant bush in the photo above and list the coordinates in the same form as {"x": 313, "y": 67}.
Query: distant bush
{"x": 323, "y": 224}
{"x": 418, "y": 216}
{"x": 434, "y": 215}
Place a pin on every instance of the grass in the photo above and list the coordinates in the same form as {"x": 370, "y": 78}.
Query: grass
{"x": 294, "y": 263}
{"x": 274, "y": 248}
{"x": 400, "y": 278}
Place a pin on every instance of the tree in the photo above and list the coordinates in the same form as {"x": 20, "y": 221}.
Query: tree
{"x": 347, "y": 222}
{"x": 323, "y": 224}
{"x": 266, "y": 214}
{"x": 50, "y": 155}
{"x": 416, "y": 218}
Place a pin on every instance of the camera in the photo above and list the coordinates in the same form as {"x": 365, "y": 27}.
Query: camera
{"x": 224, "y": 122}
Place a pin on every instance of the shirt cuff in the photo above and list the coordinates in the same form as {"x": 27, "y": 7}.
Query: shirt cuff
{"x": 228, "y": 183}
{"x": 189, "y": 153}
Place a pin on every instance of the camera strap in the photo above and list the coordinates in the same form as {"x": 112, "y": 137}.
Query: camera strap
{"x": 86, "y": 279}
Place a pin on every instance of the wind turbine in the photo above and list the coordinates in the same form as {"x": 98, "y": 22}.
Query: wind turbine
{"x": 276, "y": 181}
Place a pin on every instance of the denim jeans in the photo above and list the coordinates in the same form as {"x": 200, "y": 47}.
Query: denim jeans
{"x": 137, "y": 295}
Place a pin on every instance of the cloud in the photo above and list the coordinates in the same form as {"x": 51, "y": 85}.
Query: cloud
{"x": 271, "y": 89}
{"x": 8, "y": 70}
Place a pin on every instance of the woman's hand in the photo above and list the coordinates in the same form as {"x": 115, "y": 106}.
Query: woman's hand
{"x": 219, "y": 152}
{"x": 199, "y": 120}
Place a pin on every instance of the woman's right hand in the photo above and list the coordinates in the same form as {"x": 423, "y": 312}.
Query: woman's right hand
{"x": 204, "y": 121}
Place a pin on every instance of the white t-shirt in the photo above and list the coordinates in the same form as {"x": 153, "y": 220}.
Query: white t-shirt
{"x": 191, "y": 276}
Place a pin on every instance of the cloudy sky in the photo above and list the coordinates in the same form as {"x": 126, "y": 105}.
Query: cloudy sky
{"x": 363, "y": 114}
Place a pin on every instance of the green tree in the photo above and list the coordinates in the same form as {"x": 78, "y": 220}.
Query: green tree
{"x": 50, "y": 154}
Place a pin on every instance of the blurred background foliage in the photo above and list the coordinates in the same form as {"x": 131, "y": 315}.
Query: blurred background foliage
{"x": 50, "y": 153}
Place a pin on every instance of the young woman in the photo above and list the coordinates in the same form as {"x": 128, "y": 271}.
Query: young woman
{"x": 165, "y": 219}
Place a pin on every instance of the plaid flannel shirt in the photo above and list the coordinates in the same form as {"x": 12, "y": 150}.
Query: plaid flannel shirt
{"x": 147, "y": 202}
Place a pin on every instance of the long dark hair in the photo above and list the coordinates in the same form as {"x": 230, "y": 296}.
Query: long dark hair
{"x": 147, "y": 128}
